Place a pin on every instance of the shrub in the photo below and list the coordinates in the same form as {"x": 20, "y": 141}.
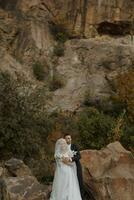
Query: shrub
{"x": 87, "y": 99}
{"x": 125, "y": 92}
{"x": 23, "y": 122}
{"x": 94, "y": 129}
{"x": 103, "y": 104}
{"x": 40, "y": 71}
{"x": 127, "y": 137}
{"x": 56, "y": 83}
{"x": 59, "y": 50}
{"x": 42, "y": 169}
{"x": 118, "y": 129}
{"x": 59, "y": 31}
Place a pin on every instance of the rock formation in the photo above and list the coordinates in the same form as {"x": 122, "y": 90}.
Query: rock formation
{"x": 89, "y": 66}
{"x": 108, "y": 175}
{"x": 17, "y": 183}
{"x": 109, "y": 172}
{"x": 26, "y": 38}
{"x": 83, "y": 17}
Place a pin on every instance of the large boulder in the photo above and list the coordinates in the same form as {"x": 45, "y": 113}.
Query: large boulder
{"x": 17, "y": 183}
{"x": 109, "y": 172}
{"x": 24, "y": 188}
{"x": 17, "y": 168}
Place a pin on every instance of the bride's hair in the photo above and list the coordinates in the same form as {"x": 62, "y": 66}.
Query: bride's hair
{"x": 61, "y": 146}
{"x": 60, "y": 140}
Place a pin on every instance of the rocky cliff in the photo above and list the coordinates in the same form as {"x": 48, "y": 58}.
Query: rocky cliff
{"x": 81, "y": 16}
{"x": 26, "y": 38}
{"x": 85, "y": 17}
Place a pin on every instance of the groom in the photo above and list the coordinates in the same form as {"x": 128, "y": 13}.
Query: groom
{"x": 76, "y": 159}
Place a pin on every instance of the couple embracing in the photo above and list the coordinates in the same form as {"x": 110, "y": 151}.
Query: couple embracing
{"x": 67, "y": 184}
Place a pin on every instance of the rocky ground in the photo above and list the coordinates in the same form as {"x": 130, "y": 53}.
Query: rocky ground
{"x": 108, "y": 175}
{"x": 17, "y": 182}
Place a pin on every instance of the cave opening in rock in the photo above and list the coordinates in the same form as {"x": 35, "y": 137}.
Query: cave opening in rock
{"x": 121, "y": 28}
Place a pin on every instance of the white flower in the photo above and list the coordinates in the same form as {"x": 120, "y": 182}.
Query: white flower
{"x": 74, "y": 153}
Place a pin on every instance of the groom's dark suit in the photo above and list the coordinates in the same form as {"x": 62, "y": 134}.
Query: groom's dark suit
{"x": 76, "y": 159}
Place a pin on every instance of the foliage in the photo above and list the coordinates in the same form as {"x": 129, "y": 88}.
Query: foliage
{"x": 119, "y": 107}
{"x": 87, "y": 99}
{"x": 125, "y": 92}
{"x": 107, "y": 105}
{"x": 25, "y": 125}
{"x": 56, "y": 83}
{"x": 66, "y": 122}
{"x": 117, "y": 131}
{"x": 59, "y": 50}
{"x": 59, "y": 31}
{"x": 40, "y": 70}
{"x": 95, "y": 129}
{"x": 127, "y": 136}
{"x": 42, "y": 169}
{"x": 92, "y": 128}
{"x": 23, "y": 122}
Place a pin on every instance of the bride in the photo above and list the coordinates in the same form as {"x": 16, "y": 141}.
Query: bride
{"x": 65, "y": 185}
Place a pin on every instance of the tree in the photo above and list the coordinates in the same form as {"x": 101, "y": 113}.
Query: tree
{"x": 125, "y": 91}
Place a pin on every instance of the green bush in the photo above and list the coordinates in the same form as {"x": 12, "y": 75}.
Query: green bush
{"x": 60, "y": 32}
{"x": 108, "y": 105}
{"x": 59, "y": 50}
{"x": 127, "y": 137}
{"x": 56, "y": 83}
{"x": 94, "y": 129}
{"x": 87, "y": 99}
{"x": 42, "y": 169}
{"x": 40, "y": 70}
{"x": 66, "y": 122}
{"x": 24, "y": 125}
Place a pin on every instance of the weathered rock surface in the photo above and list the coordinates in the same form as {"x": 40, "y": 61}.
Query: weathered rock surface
{"x": 109, "y": 172}
{"x": 89, "y": 66}
{"x": 17, "y": 183}
{"x": 16, "y": 167}
{"x": 83, "y": 17}
{"x": 1, "y": 171}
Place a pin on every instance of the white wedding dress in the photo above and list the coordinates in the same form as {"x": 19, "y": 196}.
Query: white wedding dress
{"x": 65, "y": 185}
